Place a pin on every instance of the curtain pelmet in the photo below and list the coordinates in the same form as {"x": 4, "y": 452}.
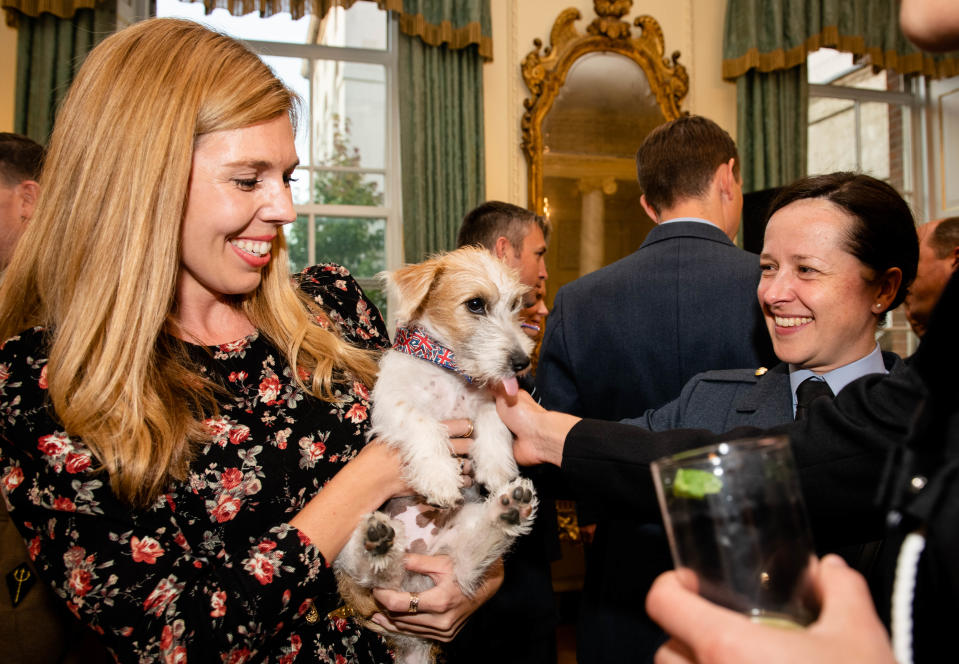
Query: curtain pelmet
{"x": 771, "y": 35}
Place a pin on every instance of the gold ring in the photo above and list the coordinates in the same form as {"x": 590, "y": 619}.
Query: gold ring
{"x": 470, "y": 432}
{"x": 414, "y": 603}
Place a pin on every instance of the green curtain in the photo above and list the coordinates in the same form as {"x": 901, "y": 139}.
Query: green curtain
{"x": 772, "y": 112}
{"x": 50, "y": 50}
{"x": 441, "y": 126}
{"x": 764, "y": 50}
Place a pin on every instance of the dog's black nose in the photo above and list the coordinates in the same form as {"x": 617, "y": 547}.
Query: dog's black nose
{"x": 518, "y": 361}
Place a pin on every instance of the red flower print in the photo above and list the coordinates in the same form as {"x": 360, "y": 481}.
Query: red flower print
{"x": 303, "y": 374}
{"x": 304, "y": 540}
{"x": 180, "y": 540}
{"x": 79, "y": 581}
{"x": 231, "y": 477}
{"x": 233, "y": 346}
{"x": 340, "y": 624}
{"x": 77, "y": 462}
{"x": 43, "y": 378}
{"x": 226, "y": 508}
{"x": 146, "y": 550}
{"x": 64, "y": 504}
{"x": 34, "y": 549}
{"x": 311, "y": 451}
{"x": 260, "y": 566}
{"x": 269, "y": 390}
{"x": 356, "y": 413}
{"x": 178, "y": 656}
{"x": 164, "y": 593}
{"x": 12, "y": 479}
{"x": 5, "y": 373}
{"x": 238, "y": 376}
{"x": 54, "y": 444}
{"x": 340, "y": 659}
{"x": 217, "y": 426}
{"x": 74, "y": 556}
{"x": 360, "y": 390}
{"x": 265, "y": 546}
{"x": 218, "y": 604}
{"x": 239, "y": 433}
{"x": 166, "y": 638}
{"x": 236, "y": 656}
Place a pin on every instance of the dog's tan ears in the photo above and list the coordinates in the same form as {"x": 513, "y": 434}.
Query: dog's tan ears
{"x": 408, "y": 286}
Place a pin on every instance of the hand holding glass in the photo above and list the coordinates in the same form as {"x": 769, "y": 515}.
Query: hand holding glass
{"x": 736, "y": 521}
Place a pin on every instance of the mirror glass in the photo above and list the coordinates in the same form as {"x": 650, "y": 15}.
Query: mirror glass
{"x": 599, "y": 118}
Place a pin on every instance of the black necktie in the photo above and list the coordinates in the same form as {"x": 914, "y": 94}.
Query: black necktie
{"x": 808, "y": 391}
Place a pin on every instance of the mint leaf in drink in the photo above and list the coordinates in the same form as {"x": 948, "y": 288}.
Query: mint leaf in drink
{"x": 692, "y": 483}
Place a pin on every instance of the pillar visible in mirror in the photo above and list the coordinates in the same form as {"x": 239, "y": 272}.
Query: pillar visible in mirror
{"x": 592, "y": 222}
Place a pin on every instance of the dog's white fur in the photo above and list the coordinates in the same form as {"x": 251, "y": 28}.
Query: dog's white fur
{"x": 469, "y": 301}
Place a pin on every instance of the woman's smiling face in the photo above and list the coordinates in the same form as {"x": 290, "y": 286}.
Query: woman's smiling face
{"x": 239, "y": 195}
{"x": 819, "y": 301}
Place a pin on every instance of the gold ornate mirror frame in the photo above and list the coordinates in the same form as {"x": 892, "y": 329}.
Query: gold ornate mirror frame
{"x": 546, "y": 72}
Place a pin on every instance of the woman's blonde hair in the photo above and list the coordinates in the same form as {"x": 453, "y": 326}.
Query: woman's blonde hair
{"x": 98, "y": 264}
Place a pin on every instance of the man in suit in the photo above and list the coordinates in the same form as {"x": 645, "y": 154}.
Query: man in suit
{"x": 20, "y": 161}
{"x": 938, "y": 259}
{"x": 626, "y": 338}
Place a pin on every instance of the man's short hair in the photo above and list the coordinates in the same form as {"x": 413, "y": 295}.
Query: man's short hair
{"x": 493, "y": 219}
{"x": 678, "y": 160}
{"x": 945, "y": 237}
{"x": 21, "y": 159}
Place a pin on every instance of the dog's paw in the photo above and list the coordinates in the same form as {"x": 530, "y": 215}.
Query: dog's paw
{"x": 380, "y": 535}
{"x": 516, "y": 504}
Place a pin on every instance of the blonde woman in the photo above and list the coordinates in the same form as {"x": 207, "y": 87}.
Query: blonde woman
{"x": 182, "y": 434}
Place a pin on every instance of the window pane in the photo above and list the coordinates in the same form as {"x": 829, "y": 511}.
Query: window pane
{"x": 297, "y": 242}
{"x": 337, "y": 188}
{"x": 361, "y": 26}
{"x": 832, "y": 139}
{"x": 357, "y": 244}
{"x": 301, "y": 188}
{"x": 349, "y": 114}
{"x": 295, "y": 74}
{"x": 874, "y": 139}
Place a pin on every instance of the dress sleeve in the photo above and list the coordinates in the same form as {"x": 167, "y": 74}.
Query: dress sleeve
{"x": 131, "y": 574}
{"x": 334, "y": 289}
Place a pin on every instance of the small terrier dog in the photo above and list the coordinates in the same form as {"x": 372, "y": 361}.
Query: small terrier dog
{"x": 458, "y": 332}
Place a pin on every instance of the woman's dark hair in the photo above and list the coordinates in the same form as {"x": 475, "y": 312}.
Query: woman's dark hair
{"x": 883, "y": 234}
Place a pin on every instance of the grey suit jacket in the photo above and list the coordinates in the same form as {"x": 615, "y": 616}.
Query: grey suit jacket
{"x": 629, "y": 336}
{"x": 723, "y": 400}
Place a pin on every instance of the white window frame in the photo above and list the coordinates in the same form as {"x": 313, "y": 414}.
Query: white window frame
{"x": 392, "y": 209}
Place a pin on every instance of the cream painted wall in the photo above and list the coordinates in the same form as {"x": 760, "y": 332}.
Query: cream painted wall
{"x": 693, "y": 27}
{"x": 8, "y": 74}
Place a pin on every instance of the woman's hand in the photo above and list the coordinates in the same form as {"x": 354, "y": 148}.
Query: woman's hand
{"x": 540, "y": 433}
{"x": 848, "y": 629}
{"x": 443, "y": 609}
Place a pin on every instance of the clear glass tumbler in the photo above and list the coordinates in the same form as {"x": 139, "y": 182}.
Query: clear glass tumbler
{"x": 738, "y": 529}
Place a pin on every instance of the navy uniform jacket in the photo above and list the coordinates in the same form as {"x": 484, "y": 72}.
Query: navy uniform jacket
{"x": 624, "y": 339}
{"x": 723, "y": 400}
{"x": 629, "y": 336}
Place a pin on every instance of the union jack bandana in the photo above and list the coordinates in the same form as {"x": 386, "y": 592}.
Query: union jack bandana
{"x": 416, "y": 342}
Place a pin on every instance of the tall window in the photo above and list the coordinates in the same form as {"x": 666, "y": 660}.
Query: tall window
{"x": 343, "y": 66}
{"x": 869, "y": 121}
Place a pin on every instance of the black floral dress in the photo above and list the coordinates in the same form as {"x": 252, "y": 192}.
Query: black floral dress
{"x": 212, "y": 572}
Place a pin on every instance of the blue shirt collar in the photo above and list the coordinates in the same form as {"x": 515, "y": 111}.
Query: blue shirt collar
{"x": 840, "y": 377}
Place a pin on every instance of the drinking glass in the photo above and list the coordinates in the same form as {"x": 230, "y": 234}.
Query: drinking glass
{"x": 738, "y": 529}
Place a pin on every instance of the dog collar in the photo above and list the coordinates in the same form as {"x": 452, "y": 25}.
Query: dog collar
{"x": 416, "y": 342}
